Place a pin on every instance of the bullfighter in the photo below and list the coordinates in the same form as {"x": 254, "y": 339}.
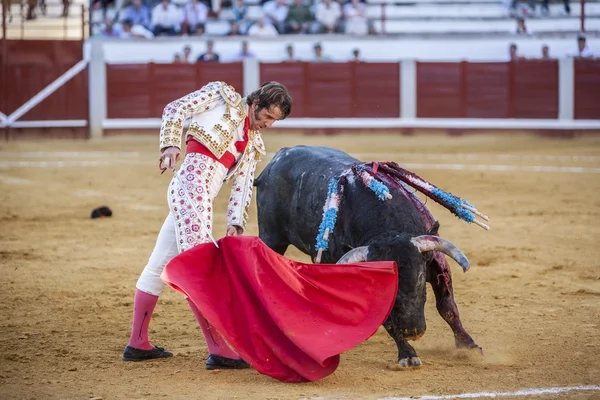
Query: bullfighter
{"x": 223, "y": 143}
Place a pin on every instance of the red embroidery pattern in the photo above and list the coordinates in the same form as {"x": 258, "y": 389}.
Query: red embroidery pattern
{"x": 202, "y": 177}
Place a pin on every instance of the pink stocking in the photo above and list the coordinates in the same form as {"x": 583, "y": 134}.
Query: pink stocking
{"x": 215, "y": 342}
{"x": 143, "y": 307}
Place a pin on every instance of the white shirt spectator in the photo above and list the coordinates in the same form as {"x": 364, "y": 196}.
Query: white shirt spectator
{"x": 275, "y": 11}
{"x": 195, "y": 13}
{"x": 169, "y": 16}
{"x": 329, "y": 13}
{"x": 356, "y": 18}
{"x": 262, "y": 29}
{"x": 585, "y": 53}
{"x": 136, "y": 31}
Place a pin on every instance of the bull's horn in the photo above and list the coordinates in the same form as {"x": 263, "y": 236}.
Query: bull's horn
{"x": 356, "y": 255}
{"x": 435, "y": 243}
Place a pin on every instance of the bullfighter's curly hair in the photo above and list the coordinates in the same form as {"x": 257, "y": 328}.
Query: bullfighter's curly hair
{"x": 272, "y": 94}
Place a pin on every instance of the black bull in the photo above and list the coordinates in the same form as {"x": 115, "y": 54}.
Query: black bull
{"x": 291, "y": 192}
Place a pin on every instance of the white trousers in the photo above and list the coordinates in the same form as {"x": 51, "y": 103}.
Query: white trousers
{"x": 183, "y": 228}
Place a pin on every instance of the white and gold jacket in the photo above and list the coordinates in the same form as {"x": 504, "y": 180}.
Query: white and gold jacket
{"x": 218, "y": 113}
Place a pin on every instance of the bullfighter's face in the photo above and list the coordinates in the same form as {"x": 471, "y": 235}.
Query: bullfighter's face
{"x": 263, "y": 118}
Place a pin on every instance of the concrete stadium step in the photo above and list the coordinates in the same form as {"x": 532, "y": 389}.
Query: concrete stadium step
{"x": 499, "y": 26}
{"x": 472, "y": 12}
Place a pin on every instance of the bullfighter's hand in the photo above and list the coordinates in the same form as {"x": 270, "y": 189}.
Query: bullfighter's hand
{"x": 234, "y": 230}
{"x": 170, "y": 158}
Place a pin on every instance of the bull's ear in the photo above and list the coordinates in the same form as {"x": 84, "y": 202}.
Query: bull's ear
{"x": 346, "y": 248}
{"x": 434, "y": 229}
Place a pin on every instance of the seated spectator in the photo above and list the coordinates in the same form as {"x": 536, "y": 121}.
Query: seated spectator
{"x": 109, "y": 31}
{"x": 234, "y": 30}
{"x": 583, "y": 51}
{"x": 262, "y": 29}
{"x": 521, "y": 27}
{"x": 319, "y": 57}
{"x": 512, "y": 53}
{"x": 177, "y": 59}
{"x": 96, "y": 17}
{"x": 111, "y": 11}
{"x": 187, "y": 53}
{"x": 130, "y": 30}
{"x": 245, "y": 53}
{"x": 546, "y": 53}
{"x": 299, "y": 18}
{"x": 290, "y": 54}
{"x": 194, "y": 16}
{"x": 138, "y": 14}
{"x": 239, "y": 11}
{"x": 355, "y": 55}
{"x": 329, "y": 14}
{"x": 166, "y": 18}
{"x": 355, "y": 14}
{"x": 276, "y": 12}
{"x": 210, "y": 55}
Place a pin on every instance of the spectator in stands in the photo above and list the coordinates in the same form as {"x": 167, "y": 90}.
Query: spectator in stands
{"x": 355, "y": 14}
{"x": 187, "y": 55}
{"x": 210, "y": 55}
{"x": 319, "y": 57}
{"x": 194, "y": 16}
{"x": 546, "y": 11}
{"x": 546, "y": 52}
{"x": 138, "y": 14}
{"x": 240, "y": 15}
{"x": 245, "y": 53}
{"x": 512, "y": 53}
{"x": 289, "y": 49}
{"x": 276, "y": 12}
{"x": 96, "y": 17}
{"x": 329, "y": 14}
{"x": 111, "y": 11}
{"x": 521, "y": 27}
{"x": 177, "y": 59}
{"x": 583, "y": 51}
{"x": 109, "y": 31}
{"x": 234, "y": 30}
{"x": 299, "y": 18}
{"x": 129, "y": 30}
{"x": 355, "y": 55}
{"x": 522, "y": 11}
{"x": 262, "y": 29}
{"x": 166, "y": 18}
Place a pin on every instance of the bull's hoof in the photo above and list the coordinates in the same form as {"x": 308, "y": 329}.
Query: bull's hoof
{"x": 467, "y": 344}
{"x": 415, "y": 362}
{"x": 406, "y": 363}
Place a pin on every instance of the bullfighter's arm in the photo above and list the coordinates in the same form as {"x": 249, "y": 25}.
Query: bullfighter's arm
{"x": 241, "y": 195}
{"x": 176, "y": 112}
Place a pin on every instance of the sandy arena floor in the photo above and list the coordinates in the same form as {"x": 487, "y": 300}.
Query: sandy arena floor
{"x": 531, "y": 298}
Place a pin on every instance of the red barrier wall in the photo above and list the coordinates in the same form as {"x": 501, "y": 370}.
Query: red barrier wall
{"x": 32, "y": 65}
{"x": 339, "y": 90}
{"x": 143, "y": 90}
{"x": 523, "y": 89}
{"x": 587, "y": 89}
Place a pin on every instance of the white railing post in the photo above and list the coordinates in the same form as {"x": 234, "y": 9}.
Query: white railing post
{"x": 251, "y": 75}
{"x": 97, "y": 88}
{"x": 566, "y": 89}
{"x": 408, "y": 89}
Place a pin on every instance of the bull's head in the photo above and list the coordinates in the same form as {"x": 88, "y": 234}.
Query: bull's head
{"x": 411, "y": 254}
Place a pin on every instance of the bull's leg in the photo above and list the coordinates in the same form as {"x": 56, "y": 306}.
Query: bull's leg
{"x": 440, "y": 278}
{"x": 407, "y": 355}
{"x": 274, "y": 242}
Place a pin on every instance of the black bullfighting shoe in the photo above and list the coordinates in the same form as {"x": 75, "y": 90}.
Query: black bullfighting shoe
{"x": 218, "y": 362}
{"x": 133, "y": 354}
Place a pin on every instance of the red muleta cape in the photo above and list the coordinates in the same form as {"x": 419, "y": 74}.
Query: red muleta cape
{"x": 288, "y": 319}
